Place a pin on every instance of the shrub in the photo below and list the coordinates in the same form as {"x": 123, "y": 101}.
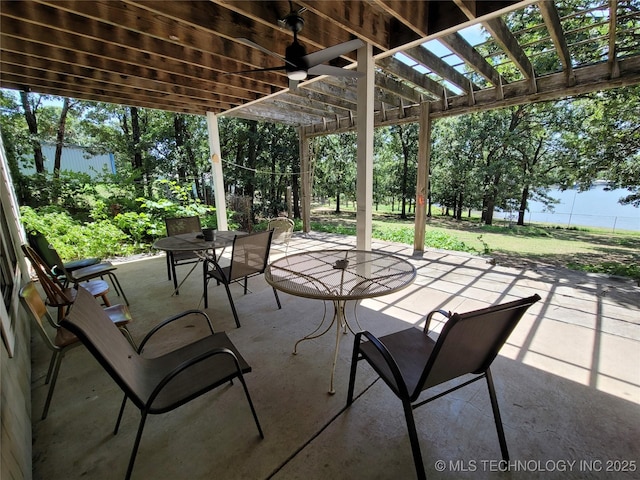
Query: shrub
{"x": 73, "y": 239}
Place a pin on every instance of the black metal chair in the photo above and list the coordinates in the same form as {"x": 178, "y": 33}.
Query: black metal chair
{"x": 50, "y": 256}
{"x": 249, "y": 258}
{"x": 177, "y": 226}
{"x": 159, "y": 384}
{"x": 410, "y": 361}
{"x": 63, "y": 340}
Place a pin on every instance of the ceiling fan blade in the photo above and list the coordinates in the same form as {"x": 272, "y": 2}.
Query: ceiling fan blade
{"x": 322, "y": 56}
{"x": 269, "y": 69}
{"x": 249, "y": 43}
{"x": 335, "y": 71}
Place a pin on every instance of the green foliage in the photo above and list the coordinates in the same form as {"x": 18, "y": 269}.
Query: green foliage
{"x": 402, "y": 234}
{"x": 445, "y": 241}
{"x": 139, "y": 226}
{"x": 610, "y": 268}
{"x": 71, "y": 190}
{"x": 330, "y": 228}
{"x": 73, "y": 239}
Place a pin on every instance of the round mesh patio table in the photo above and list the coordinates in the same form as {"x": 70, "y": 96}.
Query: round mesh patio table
{"x": 339, "y": 276}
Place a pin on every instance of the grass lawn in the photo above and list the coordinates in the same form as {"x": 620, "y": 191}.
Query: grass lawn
{"x": 587, "y": 249}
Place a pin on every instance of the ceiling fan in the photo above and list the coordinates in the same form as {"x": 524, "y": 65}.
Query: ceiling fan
{"x": 297, "y": 63}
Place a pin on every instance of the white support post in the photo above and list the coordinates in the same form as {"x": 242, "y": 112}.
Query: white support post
{"x": 364, "y": 182}
{"x": 216, "y": 171}
{"x": 422, "y": 185}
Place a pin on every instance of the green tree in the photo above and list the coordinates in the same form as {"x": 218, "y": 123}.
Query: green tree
{"x": 607, "y": 146}
{"x": 336, "y": 165}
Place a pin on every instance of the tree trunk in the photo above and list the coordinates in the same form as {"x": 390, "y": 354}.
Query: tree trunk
{"x": 136, "y": 161}
{"x": 179, "y": 133}
{"x": 62, "y": 122}
{"x": 32, "y": 122}
{"x": 459, "y": 199}
{"x": 337, "y": 201}
{"x": 523, "y": 205}
{"x": 429, "y": 196}
{"x": 252, "y": 159}
{"x": 405, "y": 167}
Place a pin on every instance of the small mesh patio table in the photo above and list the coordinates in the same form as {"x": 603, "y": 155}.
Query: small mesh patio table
{"x": 339, "y": 276}
{"x": 194, "y": 242}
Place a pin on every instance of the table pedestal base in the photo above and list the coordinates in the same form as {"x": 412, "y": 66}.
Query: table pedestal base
{"x": 342, "y": 326}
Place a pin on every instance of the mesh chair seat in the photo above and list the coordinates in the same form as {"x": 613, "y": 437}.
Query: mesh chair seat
{"x": 410, "y": 361}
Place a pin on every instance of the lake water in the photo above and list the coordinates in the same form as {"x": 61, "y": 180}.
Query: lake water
{"x": 596, "y": 207}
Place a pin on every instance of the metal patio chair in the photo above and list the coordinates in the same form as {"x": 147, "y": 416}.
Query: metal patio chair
{"x": 177, "y": 226}
{"x": 50, "y": 256}
{"x": 59, "y": 296}
{"x": 410, "y": 361}
{"x": 249, "y": 258}
{"x": 282, "y": 231}
{"x": 63, "y": 340}
{"x": 157, "y": 384}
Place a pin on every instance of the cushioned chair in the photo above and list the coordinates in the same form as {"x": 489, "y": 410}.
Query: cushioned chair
{"x": 410, "y": 361}
{"x": 282, "y": 231}
{"x": 177, "y": 226}
{"x": 249, "y": 258}
{"x": 63, "y": 340}
{"x": 50, "y": 256}
{"x": 159, "y": 384}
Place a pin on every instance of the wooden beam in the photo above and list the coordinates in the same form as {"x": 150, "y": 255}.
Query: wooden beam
{"x": 405, "y": 72}
{"x": 306, "y": 184}
{"x": 613, "y": 53}
{"x": 552, "y": 21}
{"x": 457, "y": 44}
{"x": 503, "y": 37}
{"x": 589, "y": 79}
{"x": 437, "y": 65}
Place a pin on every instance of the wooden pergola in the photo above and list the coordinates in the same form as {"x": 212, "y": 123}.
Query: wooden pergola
{"x": 177, "y": 56}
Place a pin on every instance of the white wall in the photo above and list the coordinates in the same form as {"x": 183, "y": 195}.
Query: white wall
{"x": 15, "y": 353}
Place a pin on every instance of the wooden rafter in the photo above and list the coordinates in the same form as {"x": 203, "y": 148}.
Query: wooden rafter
{"x": 184, "y": 56}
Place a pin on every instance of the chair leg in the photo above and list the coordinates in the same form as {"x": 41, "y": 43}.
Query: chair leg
{"x": 167, "y": 256}
{"x": 277, "y": 299}
{"x": 233, "y": 307}
{"x": 118, "y": 287}
{"x": 127, "y": 334}
{"x": 413, "y": 438}
{"x": 54, "y": 376}
{"x": 136, "y": 444}
{"x": 105, "y": 300}
{"x": 245, "y": 285}
{"x": 124, "y": 402}
{"x": 175, "y": 280}
{"x": 354, "y": 367}
{"x": 205, "y": 281}
{"x": 253, "y": 410}
{"x": 496, "y": 416}
{"x": 52, "y": 362}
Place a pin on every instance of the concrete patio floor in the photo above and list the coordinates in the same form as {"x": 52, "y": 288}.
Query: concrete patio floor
{"x": 568, "y": 384}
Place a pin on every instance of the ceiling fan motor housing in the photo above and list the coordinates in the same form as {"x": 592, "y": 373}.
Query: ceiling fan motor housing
{"x": 295, "y": 54}
{"x": 293, "y": 22}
